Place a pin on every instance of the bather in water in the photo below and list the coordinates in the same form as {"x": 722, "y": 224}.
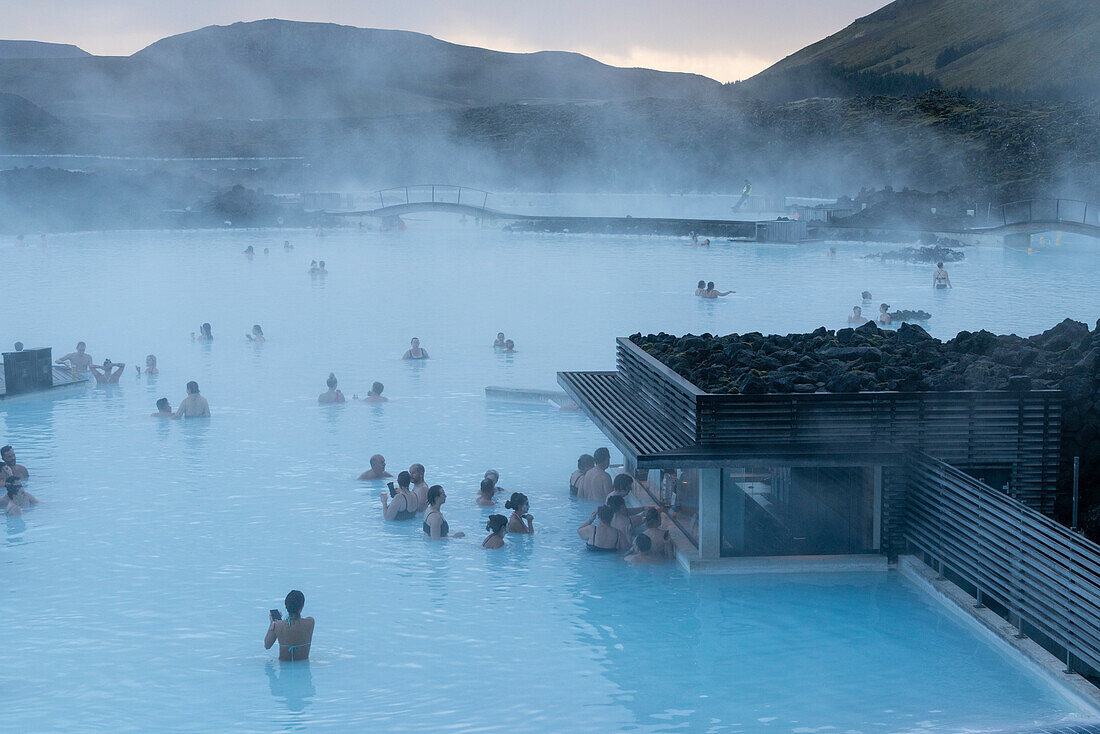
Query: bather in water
{"x": 164, "y": 409}
{"x": 332, "y": 395}
{"x": 485, "y": 494}
{"x": 435, "y": 526}
{"x": 377, "y": 469}
{"x": 375, "y": 394}
{"x": 108, "y": 373}
{"x": 603, "y": 538}
{"x": 497, "y": 526}
{"x": 295, "y": 633}
{"x": 521, "y": 522}
{"x": 414, "y": 351}
{"x": 584, "y": 463}
{"x": 257, "y": 334}
{"x": 400, "y": 503}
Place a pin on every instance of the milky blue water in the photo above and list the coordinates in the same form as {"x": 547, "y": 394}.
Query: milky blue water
{"x": 135, "y": 597}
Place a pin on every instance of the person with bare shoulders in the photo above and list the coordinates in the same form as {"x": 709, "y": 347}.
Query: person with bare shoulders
{"x": 375, "y": 394}
{"x": 884, "y": 314}
{"x": 419, "y": 486}
{"x": 194, "y": 405}
{"x": 642, "y": 551}
{"x": 584, "y": 463}
{"x": 16, "y": 495}
{"x": 500, "y": 340}
{"x": 79, "y": 361}
{"x": 485, "y": 494}
{"x": 414, "y": 351}
{"x": 295, "y": 633}
{"x": 509, "y": 347}
{"x": 400, "y": 503}
{"x": 658, "y": 537}
{"x": 521, "y": 522}
{"x": 494, "y": 476}
{"x": 150, "y": 365}
{"x": 205, "y": 333}
{"x": 104, "y": 375}
{"x": 940, "y": 278}
{"x": 497, "y": 526}
{"x": 701, "y": 289}
{"x": 164, "y": 409}
{"x": 596, "y": 483}
{"x": 257, "y": 334}
{"x": 332, "y": 395}
{"x": 711, "y": 292}
{"x": 7, "y": 456}
{"x": 435, "y": 526}
{"x": 377, "y": 469}
{"x": 603, "y": 538}
{"x": 857, "y": 318}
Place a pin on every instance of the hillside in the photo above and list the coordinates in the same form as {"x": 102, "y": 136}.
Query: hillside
{"x": 1020, "y": 47}
{"x": 39, "y": 50}
{"x": 283, "y": 69}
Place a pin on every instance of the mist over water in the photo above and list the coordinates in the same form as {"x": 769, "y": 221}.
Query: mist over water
{"x": 136, "y": 596}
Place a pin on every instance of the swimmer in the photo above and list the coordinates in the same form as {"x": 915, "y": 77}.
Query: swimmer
{"x": 435, "y": 526}
{"x": 400, "y": 503}
{"x": 150, "y": 365}
{"x": 884, "y": 314}
{"x": 621, "y": 486}
{"x": 312, "y": 267}
{"x": 267, "y": 251}
{"x": 710, "y": 292}
{"x": 375, "y": 394}
{"x": 866, "y": 296}
{"x": 658, "y": 538}
{"x": 701, "y": 289}
{"x": 509, "y": 347}
{"x": 494, "y": 476}
{"x": 257, "y": 334}
{"x": 17, "y": 470}
{"x": 704, "y": 243}
{"x": 521, "y": 522}
{"x": 377, "y": 469}
{"x": 205, "y": 334}
{"x": 584, "y": 463}
{"x": 194, "y": 405}
{"x": 79, "y": 361}
{"x": 332, "y": 395}
{"x": 694, "y": 238}
{"x": 596, "y": 483}
{"x": 857, "y": 318}
{"x": 623, "y": 515}
{"x": 485, "y": 494}
{"x": 248, "y": 251}
{"x": 940, "y": 278}
{"x": 642, "y": 551}
{"x": 497, "y": 526}
{"x": 287, "y": 245}
{"x": 419, "y": 485}
{"x": 414, "y": 351}
{"x": 321, "y": 268}
{"x": 603, "y": 538}
{"x": 295, "y": 633}
{"x": 832, "y": 252}
{"x": 15, "y": 497}
{"x": 164, "y": 410}
{"x": 499, "y": 343}
{"x": 103, "y": 374}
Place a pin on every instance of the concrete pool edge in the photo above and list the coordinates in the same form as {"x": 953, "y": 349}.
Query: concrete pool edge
{"x": 1003, "y": 635}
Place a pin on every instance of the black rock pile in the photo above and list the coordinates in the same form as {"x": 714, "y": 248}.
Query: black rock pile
{"x": 934, "y": 254}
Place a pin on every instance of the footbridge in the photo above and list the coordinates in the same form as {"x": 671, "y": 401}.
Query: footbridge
{"x": 400, "y": 200}
{"x": 1019, "y": 220}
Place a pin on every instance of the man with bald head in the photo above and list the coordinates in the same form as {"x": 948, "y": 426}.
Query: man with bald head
{"x": 377, "y": 469}
{"x": 420, "y": 487}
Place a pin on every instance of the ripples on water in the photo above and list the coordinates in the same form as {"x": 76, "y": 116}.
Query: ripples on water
{"x": 136, "y": 596}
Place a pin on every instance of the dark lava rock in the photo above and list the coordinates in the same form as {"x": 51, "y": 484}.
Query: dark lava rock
{"x": 919, "y": 255}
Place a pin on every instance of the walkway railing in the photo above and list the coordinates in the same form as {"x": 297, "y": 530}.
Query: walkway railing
{"x": 1050, "y": 210}
{"x": 432, "y": 194}
{"x": 1040, "y": 576}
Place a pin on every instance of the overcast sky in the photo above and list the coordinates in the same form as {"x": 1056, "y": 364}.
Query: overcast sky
{"x": 723, "y": 39}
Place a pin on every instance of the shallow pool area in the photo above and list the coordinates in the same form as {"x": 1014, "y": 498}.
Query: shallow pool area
{"x": 136, "y": 596}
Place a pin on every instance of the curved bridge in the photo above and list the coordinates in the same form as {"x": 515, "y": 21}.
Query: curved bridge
{"x": 1032, "y": 216}
{"x": 430, "y": 198}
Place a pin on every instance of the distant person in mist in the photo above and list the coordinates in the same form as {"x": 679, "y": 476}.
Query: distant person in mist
{"x": 205, "y": 333}
{"x": 332, "y": 395}
{"x": 710, "y": 292}
{"x": 79, "y": 361}
{"x": 375, "y": 395}
{"x": 257, "y": 334}
{"x": 414, "y": 351}
{"x": 940, "y": 278}
{"x": 857, "y": 318}
{"x": 194, "y": 405}
{"x": 746, "y": 192}
{"x": 109, "y": 373}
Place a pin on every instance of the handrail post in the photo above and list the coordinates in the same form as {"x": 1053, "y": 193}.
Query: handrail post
{"x": 459, "y": 194}
{"x": 406, "y": 194}
{"x": 433, "y": 193}
{"x": 381, "y": 201}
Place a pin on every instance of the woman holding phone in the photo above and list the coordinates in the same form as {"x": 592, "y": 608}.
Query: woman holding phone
{"x": 295, "y": 633}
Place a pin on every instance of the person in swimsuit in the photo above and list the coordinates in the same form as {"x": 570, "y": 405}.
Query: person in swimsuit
{"x": 485, "y": 493}
{"x": 623, "y": 516}
{"x": 701, "y": 289}
{"x": 79, "y": 362}
{"x": 658, "y": 538}
{"x": 404, "y": 502}
{"x": 940, "y": 278}
{"x": 257, "y": 334}
{"x": 521, "y": 522}
{"x": 642, "y": 551}
{"x": 509, "y": 347}
{"x": 194, "y": 405}
{"x": 205, "y": 334}
{"x": 7, "y": 456}
{"x": 414, "y": 351}
{"x": 287, "y": 245}
{"x": 499, "y": 343}
{"x": 377, "y": 469}
{"x": 884, "y": 314}
{"x": 332, "y": 395}
{"x": 603, "y": 538}
{"x": 710, "y": 292}
{"x": 375, "y": 394}
{"x": 494, "y": 476}
{"x": 420, "y": 487}
{"x": 103, "y": 374}
{"x": 584, "y": 463}
{"x": 164, "y": 409}
{"x": 857, "y": 318}
{"x": 435, "y": 526}
{"x": 596, "y": 482}
{"x": 15, "y": 495}
{"x": 150, "y": 365}
{"x": 248, "y": 251}
{"x": 497, "y": 526}
{"x": 295, "y": 633}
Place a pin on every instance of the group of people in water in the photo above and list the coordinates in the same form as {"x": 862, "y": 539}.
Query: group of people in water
{"x": 706, "y": 289}
{"x": 940, "y": 281}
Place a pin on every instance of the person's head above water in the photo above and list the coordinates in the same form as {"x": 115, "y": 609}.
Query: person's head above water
{"x": 585, "y": 462}
{"x": 436, "y": 495}
{"x": 331, "y": 381}
{"x": 192, "y": 388}
{"x": 378, "y": 463}
{"x": 652, "y": 518}
{"x": 702, "y": 284}
{"x": 518, "y": 502}
{"x": 710, "y": 285}
{"x": 645, "y": 545}
{"x": 496, "y": 524}
{"x": 414, "y": 342}
{"x": 856, "y": 310}
{"x": 205, "y": 328}
{"x": 622, "y": 483}
{"x": 492, "y": 474}
{"x": 257, "y": 330}
{"x": 602, "y": 457}
{"x": 500, "y": 335}
{"x": 404, "y": 479}
{"x": 80, "y": 347}
{"x": 19, "y": 346}
{"x": 488, "y": 489}
{"x": 321, "y": 264}
{"x": 616, "y": 503}
{"x": 866, "y": 295}
{"x": 163, "y": 406}
{"x": 376, "y": 388}
{"x": 417, "y": 472}
{"x": 509, "y": 343}
{"x": 939, "y": 265}
{"x": 294, "y": 602}
{"x": 12, "y": 486}
{"x": 605, "y": 514}
{"x": 150, "y": 361}
{"x": 884, "y": 307}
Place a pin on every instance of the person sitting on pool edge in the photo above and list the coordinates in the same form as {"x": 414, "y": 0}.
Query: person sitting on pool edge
{"x": 497, "y": 526}
{"x": 332, "y": 395}
{"x": 521, "y": 522}
{"x": 603, "y": 538}
{"x": 499, "y": 343}
{"x": 485, "y": 494}
{"x": 7, "y": 456}
{"x": 194, "y": 405}
{"x": 164, "y": 409}
{"x": 400, "y": 503}
{"x": 295, "y": 633}
{"x": 377, "y": 469}
{"x": 435, "y": 526}
{"x": 375, "y": 394}
{"x": 584, "y": 463}
{"x": 414, "y": 351}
